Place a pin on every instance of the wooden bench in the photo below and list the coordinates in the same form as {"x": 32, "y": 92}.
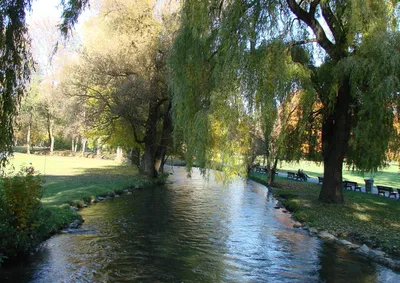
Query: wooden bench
{"x": 383, "y": 189}
{"x": 320, "y": 180}
{"x": 348, "y": 185}
{"x": 295, "y": 176}
{"x": 261, "y": 170}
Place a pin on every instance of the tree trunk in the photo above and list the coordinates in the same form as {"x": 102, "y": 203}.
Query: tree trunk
{"x": 83, "y": 142}
{"x": 72, "y": 144}
{"x": 28, "y": 137}
{"x": 75, "y": 149}
{"x": 150, "y": 141}
{"x": 99, "y": 148}
{"x": 335, "y": 139}
{"x": 272, "y": 171}
{"x": 50, "y": 125}
{"x": 119, "y": 154}
{"x": 165, "y": 137}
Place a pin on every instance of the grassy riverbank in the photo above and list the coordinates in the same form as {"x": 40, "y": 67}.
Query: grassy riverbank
{"x": 69, "y": 181}
{"x": 364, "y": 218}
{"x": 388, "y": 176}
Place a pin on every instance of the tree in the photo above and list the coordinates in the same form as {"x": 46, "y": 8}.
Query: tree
{"x": 15, "y": 66}
{"x": 29, "y": 114}
{"x": 122, "y": 76}
{"x": 268, "y": 49}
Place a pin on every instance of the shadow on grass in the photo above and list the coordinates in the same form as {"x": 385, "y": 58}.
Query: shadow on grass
{"x": 90, "y": 182}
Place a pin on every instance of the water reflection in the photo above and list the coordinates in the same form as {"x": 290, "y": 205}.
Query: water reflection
{"x": 192, "y": 231}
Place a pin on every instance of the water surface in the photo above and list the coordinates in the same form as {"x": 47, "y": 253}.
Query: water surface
{"x": 192, "y": 230}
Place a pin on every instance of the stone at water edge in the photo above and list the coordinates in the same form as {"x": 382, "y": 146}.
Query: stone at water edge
{"x": 364, "y": 249}
{"x": 327, "y": 236}
{"x": 349, "y": 245}
{"x": 117, "y": 196}
{"x": 297, "y": 225}
{"x": 376, "y": 253}
{"x": 313, "y": 231}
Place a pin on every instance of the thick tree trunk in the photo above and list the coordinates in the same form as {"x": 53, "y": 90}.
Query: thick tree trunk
{"x": 150, "y": 141}
{"x": 335, "y": 139}
{"x": 165, "y": 137}
{"x": 272, "y": 171}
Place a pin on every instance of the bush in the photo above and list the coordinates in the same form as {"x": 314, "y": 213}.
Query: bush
{"x": 161, "y": 179}
{"x": 21, "y": 196}
{"x": 20, "y": 209}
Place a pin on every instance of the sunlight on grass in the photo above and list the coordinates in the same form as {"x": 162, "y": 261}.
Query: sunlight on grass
{"x": 70, "y": 178}
{"x": 362, "y": 207}
{"x": 363, "y": 216}
{"x": 380, "y": 203}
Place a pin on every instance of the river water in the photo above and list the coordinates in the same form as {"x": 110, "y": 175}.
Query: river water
{"x": 192, "y": 230}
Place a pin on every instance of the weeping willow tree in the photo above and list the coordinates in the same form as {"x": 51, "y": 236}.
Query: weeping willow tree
{"x": 237, "y": 61}
{"x": 15, "y": 66}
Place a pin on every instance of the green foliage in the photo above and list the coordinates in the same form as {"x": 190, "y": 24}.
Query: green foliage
{"x": 71, "y": 11}
{"x": 20, "y": 196}
{"x": 15, "y": 64}
{"x": 245, "y": 60}
{"x": 20, "y": 210}
{"x": 161, "y": 179}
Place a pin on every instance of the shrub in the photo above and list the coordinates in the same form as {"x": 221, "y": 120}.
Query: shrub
{"x": 21, "y": 196}
{"x": 20, "y": 209}
{"x": 161, "y": 179}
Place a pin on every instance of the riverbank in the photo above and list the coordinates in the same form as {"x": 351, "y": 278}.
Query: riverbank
{"x": 69, "y": 183}
{"x": 364, "y": 218}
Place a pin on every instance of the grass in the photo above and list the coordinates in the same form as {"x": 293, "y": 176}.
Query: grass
{"x": 364, "y": 218}
{"x": 70, "y": 180}
{"x": 388, "y": 176}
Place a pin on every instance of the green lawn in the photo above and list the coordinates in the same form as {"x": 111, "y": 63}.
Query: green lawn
{"x": 67, "y": 181}
{"x": 73, "y": 179}
{"x": 364, "y": 218}
{"x": 388, "y": 176}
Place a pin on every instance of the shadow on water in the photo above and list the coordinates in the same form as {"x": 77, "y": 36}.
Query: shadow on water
{"x": 192, "y": 231}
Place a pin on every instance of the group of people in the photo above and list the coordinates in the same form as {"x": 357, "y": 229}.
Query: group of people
{"x": 303, "y": 176}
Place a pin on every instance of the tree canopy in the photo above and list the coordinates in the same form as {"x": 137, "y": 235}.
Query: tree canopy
{"x": 341, "y": 57}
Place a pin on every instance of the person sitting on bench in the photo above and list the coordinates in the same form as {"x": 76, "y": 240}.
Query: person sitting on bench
{"x": 302, "y": 176}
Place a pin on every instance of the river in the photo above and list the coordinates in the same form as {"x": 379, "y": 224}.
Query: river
{"x": 192, "y": 230}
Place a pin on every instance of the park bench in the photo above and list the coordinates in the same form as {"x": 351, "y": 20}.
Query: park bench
{"x": 348, "y": 185}
{"x": 320, "y": 180}
{"x": 292, "y": 175}
{"x": 261, "y": 170}
{"x": 383, "y": 189}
